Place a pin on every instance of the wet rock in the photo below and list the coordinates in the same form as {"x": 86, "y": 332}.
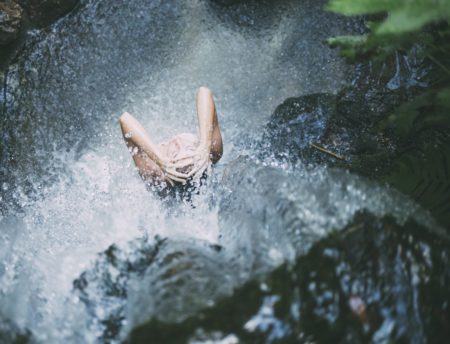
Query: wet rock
{"x": 348, "y": 130}
{"x": 345, "y": 123}
{"x": 10, "y": 21}
{"x": 45, "y": 12}
{"x": 108, "y": 280}
{"x": 298, "y": 122}
{"x": 150, "y": 278}
{"x": 340, "y": 124}
{"x": 226, "y": 2}
{"x": 18, "y": 16}
{"x": 11, "y": 334}
{"x": 375, "y": 281}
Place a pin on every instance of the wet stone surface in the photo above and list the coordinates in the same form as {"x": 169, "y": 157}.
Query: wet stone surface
{"x": 157, "y": 267}
{"x": 45, "y": 12}
{"x": 350, "y": 130}
{"x": 373, "y": 281}
{"x": 342, "y": 124}
{"x": 10, "y": 21}
{"x": 11, "y": 334}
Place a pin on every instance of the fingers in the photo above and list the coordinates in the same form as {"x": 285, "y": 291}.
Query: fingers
{"x": 175, "y": 179}
{"x": 182, "y": 163}
{"x": 198, "y": 168}
{"x": 170, "y": 181}
{"x": 197, "y": 165}
{"x": 175, "y": 173}
{"x": 188, "y": 156}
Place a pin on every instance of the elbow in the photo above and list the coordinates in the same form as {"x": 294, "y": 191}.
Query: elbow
{"x": 204, "y": 90}
{"x": 123, "y": 117}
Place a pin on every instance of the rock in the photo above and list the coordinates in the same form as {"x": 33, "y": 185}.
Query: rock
{"x": 298, "y": 122}
{"x": 160, "y": 278}
{"x": 226, "y": 2}
{"x": 45, "y": 12}
{"x": 108, "y": 280}
{"x": 10, "y": 333}
{"x": 10, "y": 21}
{"x": 340, "y": 123}
{"x": 344, "y": 123}
{"x": 347, "y": 125}
{"x": 375, "y": 281}
{"x": 16, "y": 14}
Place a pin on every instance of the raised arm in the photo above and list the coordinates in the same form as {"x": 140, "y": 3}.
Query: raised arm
{"x": 135, "y": 132}
{"x": 210, "y": 137}
{"x": 135, "y": 135}
{"x": 210, "y": 146}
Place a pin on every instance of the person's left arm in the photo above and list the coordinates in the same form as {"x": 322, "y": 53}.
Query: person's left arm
{"x": 210, "y": 146}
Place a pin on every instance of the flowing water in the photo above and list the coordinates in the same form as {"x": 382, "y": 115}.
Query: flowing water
{"x": 70, "y": 191}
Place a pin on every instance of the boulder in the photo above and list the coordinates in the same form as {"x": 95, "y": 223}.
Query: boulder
{"x": 146, "y": 278}
{"x": 340, "y": 124}
{"x": 45, "y": 12}
{"x": 299, "y": 122}
{"x": 226, "y": 2}
{"x": 10, "y": 21}
{"x": 374, "y": 281}
{"x": 348, "y": 130}
{"x": 10, "y": 333}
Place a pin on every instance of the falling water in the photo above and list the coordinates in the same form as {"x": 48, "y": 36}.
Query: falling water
{"x": 70, "y": 190}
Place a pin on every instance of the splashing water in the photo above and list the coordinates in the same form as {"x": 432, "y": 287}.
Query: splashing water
{"x": 69, "y": 188}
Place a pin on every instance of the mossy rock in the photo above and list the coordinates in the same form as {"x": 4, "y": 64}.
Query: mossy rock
{"x": 343, "y": 131}
{"x": 374, "y": 279}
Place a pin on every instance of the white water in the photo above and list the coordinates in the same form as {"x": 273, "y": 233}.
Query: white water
{"x": 148, "y": 57}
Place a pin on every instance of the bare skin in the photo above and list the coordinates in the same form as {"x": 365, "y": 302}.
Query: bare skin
{"x": 153, "y": 161}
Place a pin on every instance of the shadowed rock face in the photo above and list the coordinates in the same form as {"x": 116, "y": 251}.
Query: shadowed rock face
{"x": 18, "y": 16}
{"x": 45, "y": 12}
{"x": 344, "y": 122}
{"x": 373, "y": 281}
{"x": 11, "y": 334}
{"x": 10, "y": 21}
{"x": 349, "y": 126}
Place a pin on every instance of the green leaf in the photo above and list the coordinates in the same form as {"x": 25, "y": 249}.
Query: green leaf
{"x": 357, "y": 7}
{"x": 407, "y": 20}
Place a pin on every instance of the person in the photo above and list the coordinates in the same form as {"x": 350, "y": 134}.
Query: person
{"x": 184, "y": 156}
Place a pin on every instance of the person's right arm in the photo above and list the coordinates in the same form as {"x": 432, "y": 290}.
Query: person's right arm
{"x": 136, "y": 133}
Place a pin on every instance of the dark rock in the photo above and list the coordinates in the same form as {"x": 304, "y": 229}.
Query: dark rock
{"x": 168, "y": 279}
{"x": 11, "y": 334}
{"x": 349, "y": 131}
{"x": 10, "y": 21}
{"x": 345, "y": 123}
{"x": 342, "y": 124}
{"x": 226, "y": 2}
{"x": 375, "y": 281}
{"x": 298, "y": 122}
{"x": 17, "y": 16}
{"x": 45, "y": 12}
{"x": 108, "y": 280}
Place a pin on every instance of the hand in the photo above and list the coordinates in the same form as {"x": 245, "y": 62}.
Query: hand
{"x": 171, "y": 174}
{"x": 196, "y": 163}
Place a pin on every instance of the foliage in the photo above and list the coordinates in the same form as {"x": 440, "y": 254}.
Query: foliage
{"x": 401, "y": 25}
{"x": 418, "y": 28}
{"x": 403, "y": 16}
{"x": 422, "y": 173}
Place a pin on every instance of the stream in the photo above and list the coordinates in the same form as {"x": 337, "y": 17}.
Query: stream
{"x": 87, "y": 254}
